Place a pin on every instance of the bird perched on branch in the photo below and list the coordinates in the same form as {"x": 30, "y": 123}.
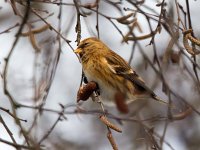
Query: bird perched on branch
{"x": 112, "y": 73}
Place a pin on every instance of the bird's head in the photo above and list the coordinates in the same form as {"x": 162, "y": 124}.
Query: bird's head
{"x": 89, "y": 46}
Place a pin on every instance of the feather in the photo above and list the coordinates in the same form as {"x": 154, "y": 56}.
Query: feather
{"x": 121, "y": 68}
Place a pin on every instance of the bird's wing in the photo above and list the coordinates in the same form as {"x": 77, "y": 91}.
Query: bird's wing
{"x": 120, "y": 67}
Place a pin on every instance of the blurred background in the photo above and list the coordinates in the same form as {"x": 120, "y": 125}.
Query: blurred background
{"x": 41, "y": 75}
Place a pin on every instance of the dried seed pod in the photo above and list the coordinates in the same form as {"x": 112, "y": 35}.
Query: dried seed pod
{"x": 143, "y": 37}
{"x": 182, "y": 115}
{"x": 41, "y": 29}
{"x": 194, "y": 40}
{"x": 175, "y": 57}
{"x": 121, "y": 103}
{"x": 37, "y": 31}
{"x": 109, "y": 124}
{"x": 189, "y": 49}
{"x": 34, "y": 43}
{"x": 85, "y": 91}
{"x": 170, "y": 45}
{"x": 127, "y": 21}
{"x": 187, "y": 31}
{"x": 31, "y": 35}
{"x": 124, "y": 20}
{"x": 112, "y": 141}
{"x": 90, "y": 6}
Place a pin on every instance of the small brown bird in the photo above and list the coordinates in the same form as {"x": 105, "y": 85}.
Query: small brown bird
{"x": 111, "y": 72}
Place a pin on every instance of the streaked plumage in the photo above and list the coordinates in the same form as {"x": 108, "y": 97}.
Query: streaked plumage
{"x": 111, "y": 72}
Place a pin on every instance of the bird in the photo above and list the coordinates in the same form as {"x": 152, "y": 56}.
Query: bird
{"x": 112, "y": 73}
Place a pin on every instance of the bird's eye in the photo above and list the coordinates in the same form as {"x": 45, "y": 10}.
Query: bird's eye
{"x": 83, "y": 45}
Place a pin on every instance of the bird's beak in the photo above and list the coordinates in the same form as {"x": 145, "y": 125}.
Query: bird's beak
{"x": 78, "y": 51}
